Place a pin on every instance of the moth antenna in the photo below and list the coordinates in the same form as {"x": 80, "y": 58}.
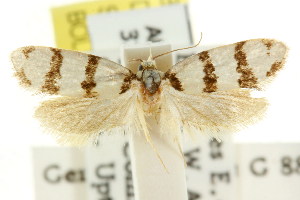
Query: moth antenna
{"x": 179, "y": 49}
{"x": 135, "y": 60}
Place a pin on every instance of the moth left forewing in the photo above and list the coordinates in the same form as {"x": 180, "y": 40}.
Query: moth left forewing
{"x": 67, "y": 73}
{"x": 246, "y": 64}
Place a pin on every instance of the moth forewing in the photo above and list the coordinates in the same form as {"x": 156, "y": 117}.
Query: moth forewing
{"x": 31, "y": 69}
{"x": 246, "y": 64}
{"x": 67, "y": 73}
{"x": 265, "y": 58}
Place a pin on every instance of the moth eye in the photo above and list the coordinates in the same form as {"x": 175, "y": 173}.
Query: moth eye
{"x": 141, "y": 67}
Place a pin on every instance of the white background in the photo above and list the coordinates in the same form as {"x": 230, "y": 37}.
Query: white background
{"x": 222, "y": 22}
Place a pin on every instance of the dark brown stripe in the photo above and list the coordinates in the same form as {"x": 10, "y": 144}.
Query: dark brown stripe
{"x": 22, "y": 77}
{"x": 210, "y": 78}
{"x": 50, "y": 86}
{"x": 247, "y": 79}
{"x": 274, "y": 68}
{"x": 268, "y": 44}
{"x": 90, "y": 70}
{"x": 175, "y": 82}
{"x": 27, "y": 50}
{"x": 127, "y": 83}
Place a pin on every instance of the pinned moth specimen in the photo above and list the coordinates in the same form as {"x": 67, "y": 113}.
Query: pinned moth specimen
{"x": 209, "y": 91}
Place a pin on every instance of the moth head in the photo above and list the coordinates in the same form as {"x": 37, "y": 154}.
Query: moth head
{"x": 147, "y": 64}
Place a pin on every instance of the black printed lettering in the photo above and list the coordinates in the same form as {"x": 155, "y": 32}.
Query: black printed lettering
{"x": 216, "y": 149}
{"x": 224, "y": 177}
{"x": 75, "y": 176}
{"x": 108, "y": 8}
{"x": 132, "y": 35}
{"x": 290, "y": 166}
{"x": 51, "y": 174}
{"x": 286, "y": 166}
{"x": 257, "y": 167}
{"x": 105, "y": 171}
{"x": 128, "y": 175}
{"x": 103, "y": 189}
{"x": 163, "y": 2}
{"x": 192, "y": 158}
{"x": 153, "y": 34}
{"x": 78, "y": 31}
{"x": 54, "y": 174}
{"x": 192, "y": 195}
{"x": 139, "y": 4}
{"x": 125, "y": 150}
{"x": 298, "y": 165}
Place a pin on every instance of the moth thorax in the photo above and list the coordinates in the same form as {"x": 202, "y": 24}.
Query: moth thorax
{"x": 151, "y": 80}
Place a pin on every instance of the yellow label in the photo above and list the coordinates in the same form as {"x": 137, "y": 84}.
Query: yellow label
{"x": 70, "y": 21}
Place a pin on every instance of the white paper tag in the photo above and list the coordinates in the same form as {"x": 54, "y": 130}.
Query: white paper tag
{"x": 269, "y": 171}
{"x": 265, "y": 171}
{"x": 108, "y": 169}
{"x": 211, "y": 169}
{"x": 168, "y": 23}
{"x": 59, "y": 173}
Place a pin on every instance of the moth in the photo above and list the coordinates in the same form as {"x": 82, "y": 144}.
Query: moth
{"x": 209, "y": 92}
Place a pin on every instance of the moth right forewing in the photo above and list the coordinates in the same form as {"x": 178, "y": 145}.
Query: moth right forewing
{"x": 246, "y": 64}
{"x": 188, "y": 72}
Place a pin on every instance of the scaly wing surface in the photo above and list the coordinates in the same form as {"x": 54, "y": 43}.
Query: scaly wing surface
{"x": 246, "y": 64}
{"x": 68, "y": 73}
{"x": 76, "y": 120}
{"x": 211, "y": 113}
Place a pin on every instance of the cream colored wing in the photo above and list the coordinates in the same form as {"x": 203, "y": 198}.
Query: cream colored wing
{"x": 212, "y": 113}
{"x": 68, "y": 73}
{"x": 246, "y": 64}
{"x": 76, "y": 120}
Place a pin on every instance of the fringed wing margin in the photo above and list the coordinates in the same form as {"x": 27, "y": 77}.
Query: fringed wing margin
{"x": 211, "y": 113}
{"x": 76, "y": 121}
